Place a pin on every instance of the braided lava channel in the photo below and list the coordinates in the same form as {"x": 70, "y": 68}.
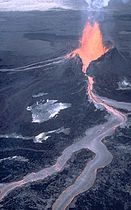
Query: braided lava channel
{"x": 93, "y": 137}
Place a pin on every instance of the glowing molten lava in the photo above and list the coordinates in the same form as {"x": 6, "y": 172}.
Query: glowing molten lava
{"x": 91, "y": 45}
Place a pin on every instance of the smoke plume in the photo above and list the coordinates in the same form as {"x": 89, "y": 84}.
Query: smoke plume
{"x": 103, "y": 3}
{"x": 97, "y": 3}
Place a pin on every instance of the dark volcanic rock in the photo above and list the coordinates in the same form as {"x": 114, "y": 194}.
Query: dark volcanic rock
{"x": 111, "y": 190}
{"x": 108, "y": 71}
{"x": 63, "y": 82}
{"x": 42, "y": 194}
{"x": 59, "y": 81}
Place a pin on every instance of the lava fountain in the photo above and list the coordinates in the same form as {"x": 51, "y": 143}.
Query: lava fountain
{"x": 91, "y": 47}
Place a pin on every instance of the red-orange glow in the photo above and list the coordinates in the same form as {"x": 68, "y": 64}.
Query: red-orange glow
{"x": 91, "y": 45}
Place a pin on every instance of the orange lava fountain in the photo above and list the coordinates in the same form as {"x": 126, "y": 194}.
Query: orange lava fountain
{"x": 91, "y": 45}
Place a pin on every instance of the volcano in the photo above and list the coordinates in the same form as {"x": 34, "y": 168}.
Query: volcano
{"x": 65, "y": 113}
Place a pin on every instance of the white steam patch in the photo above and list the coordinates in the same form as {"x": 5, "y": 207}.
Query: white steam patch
{"x": 16, "y": 158}
{"x": 39, "y": 95}
{"x": 37, "y": 139}
{"x": 14, "y": 136}
{"x": 43, "y": 111}
{"x": 45, "y": 135}
{"x": 124, "y": 85}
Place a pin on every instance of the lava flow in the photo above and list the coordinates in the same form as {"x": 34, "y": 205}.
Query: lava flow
{"x": 91, "y": 47}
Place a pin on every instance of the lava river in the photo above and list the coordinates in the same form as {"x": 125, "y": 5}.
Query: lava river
{"x": 92, "y": 140}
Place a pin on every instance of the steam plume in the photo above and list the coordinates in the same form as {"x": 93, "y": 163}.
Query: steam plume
{"x": 102, "y": 3}
{"x": 97, "y": 3}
